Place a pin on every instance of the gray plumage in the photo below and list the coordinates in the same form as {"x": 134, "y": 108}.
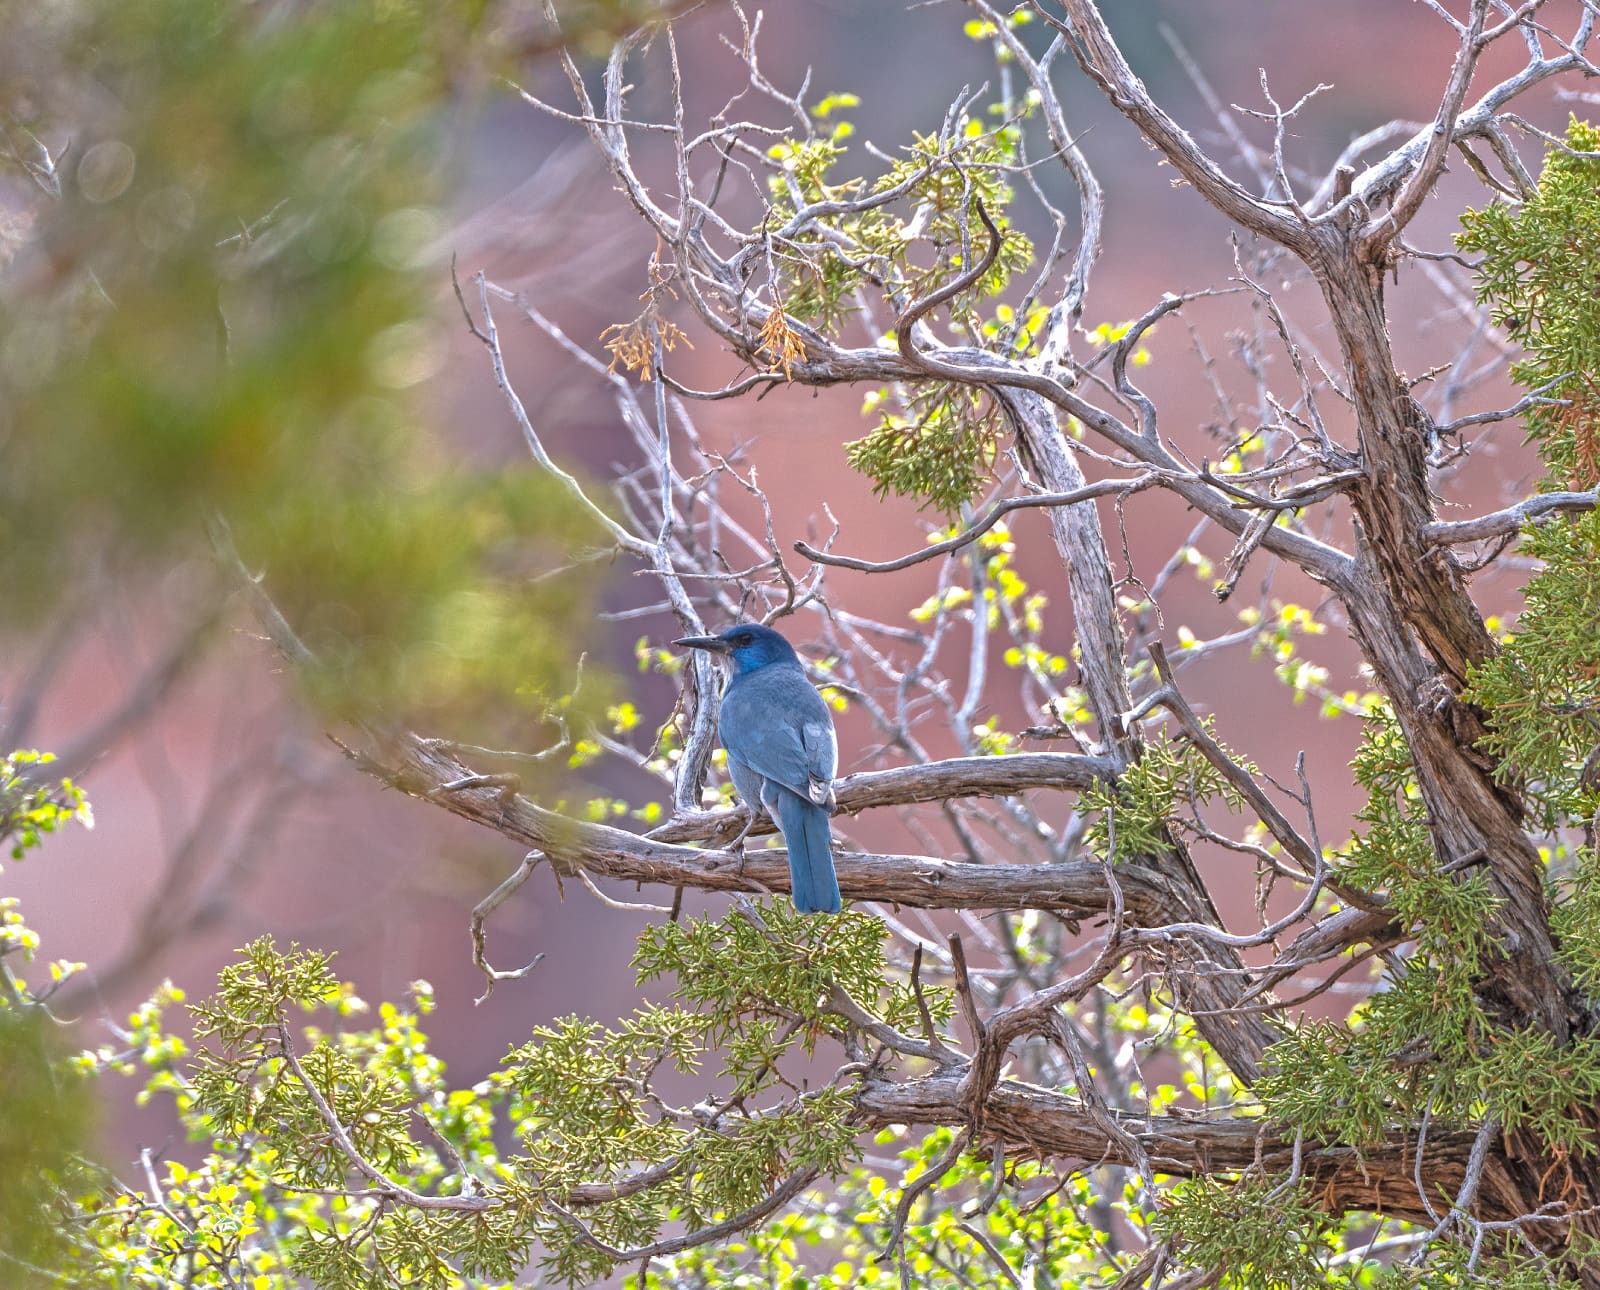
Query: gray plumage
{"x": 782, "y": 752}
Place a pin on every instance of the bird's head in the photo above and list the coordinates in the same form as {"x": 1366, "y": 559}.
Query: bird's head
{"x": 747, "y": 645}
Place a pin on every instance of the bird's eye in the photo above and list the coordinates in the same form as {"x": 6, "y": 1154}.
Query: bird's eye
{"x": 742, "y": 640}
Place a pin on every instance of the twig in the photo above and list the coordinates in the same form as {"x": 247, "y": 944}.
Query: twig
{"x": 791, "y": 1188}
{"x": 624, "y": 906}
{"x": 358, "y": 1162}
{"x": 967, "y": 536}
{"x": 480, "y": 914}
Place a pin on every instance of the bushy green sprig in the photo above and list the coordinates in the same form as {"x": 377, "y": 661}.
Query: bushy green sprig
{"x": 940, "y": 445}
{"x": 1537, "y": 273}
{"x": 1540, "y": 261}
{"x": 941, "y": 448}
{"x": 1424, "y": 1043}
{"x": 31, "y": 807}
{"x": 1575, "y": 920}
{"x": 581, "y": 1097}
{"x": 1135, "y": 811}
{"x": 1259, "y": 1233}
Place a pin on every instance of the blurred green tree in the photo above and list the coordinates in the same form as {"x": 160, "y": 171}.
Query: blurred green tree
{"x": 219, "y": 276}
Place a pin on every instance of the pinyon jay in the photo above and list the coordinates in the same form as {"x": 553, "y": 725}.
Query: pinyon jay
{"x": 782, "y": 752}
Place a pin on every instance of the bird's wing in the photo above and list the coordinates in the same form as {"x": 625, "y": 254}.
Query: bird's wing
{"x": 774, "y": 722}
{"x": 822, "y": 756}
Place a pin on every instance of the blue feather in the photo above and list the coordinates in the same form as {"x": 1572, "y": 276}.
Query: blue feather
{"x": 812, "y": 880}
{"x": 782, "y": 752}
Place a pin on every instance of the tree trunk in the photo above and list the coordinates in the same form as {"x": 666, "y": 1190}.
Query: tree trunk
{"x": 1209, "y": 979}
{"x": 1421, "y": 633}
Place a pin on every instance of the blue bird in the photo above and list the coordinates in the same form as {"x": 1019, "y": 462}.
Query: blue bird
{"x": 782, "y": 752}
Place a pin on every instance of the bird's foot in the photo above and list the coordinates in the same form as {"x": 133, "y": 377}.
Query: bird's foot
{"x": 737, "y": 845}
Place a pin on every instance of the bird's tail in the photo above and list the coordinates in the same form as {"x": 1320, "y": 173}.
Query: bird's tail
{"x": 805, "y": 833}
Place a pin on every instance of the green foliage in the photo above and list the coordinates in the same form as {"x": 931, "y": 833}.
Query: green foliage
{"x": 942, "y": 448}
{"x": 1136, "y": 810}
{"x": 1542, "y": 691}
{"x": 29, "y": 808}
{"x": 1504, "y": 1262}
{"x": 939, "y": 445}
{"x": 1409, "y": 1043}
{"x": 241, "y": 1215}
{"x": 1575, "y": 920}
{"x": 44, "y": 1121}
{"x": 1424, "y": 1043}
{"x": 1040, "y": 1226}
{"x": 584, "y": 1109}
{"x": 939, "y": 204}
{"x": 222, "y": 307}
{"x": 1395, "y": 858}
{"x": 789, "y": 963}
{"x": 276, "y": 1195}
{"x": 1262, "y": 1233}
{"x": 45, "y": 1111}
{"x": 1539, "y": 259}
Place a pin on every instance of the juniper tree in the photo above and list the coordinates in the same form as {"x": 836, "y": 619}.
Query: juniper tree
{"x": 1076, "y": 1074}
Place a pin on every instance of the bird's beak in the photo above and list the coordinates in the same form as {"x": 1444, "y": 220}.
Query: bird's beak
{"x": 713, "y": 643}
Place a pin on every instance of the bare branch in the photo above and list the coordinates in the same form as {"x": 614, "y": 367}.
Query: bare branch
{"x": 937, "y": 781}
{"x": 1382, "y": 176}
{"x": 630, "y": 542}
{"x": 1509, "y": 521}
{"x": 779, "y": 1197}
{"x": 1103, "y": 62}
{"x": 1043, "y": 1121}
{"x": 1533, "y": 399}
{"x": 423, "y": 769}
{"x": 1305, "y": 855}
{"x": 480, "y": 915}
{"x": 966, "y": 537}
{"x": 1414, "y": 191}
